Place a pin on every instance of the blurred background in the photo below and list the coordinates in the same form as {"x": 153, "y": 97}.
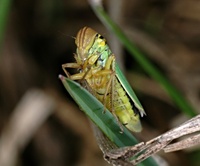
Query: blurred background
{"x": 40, "y": 124}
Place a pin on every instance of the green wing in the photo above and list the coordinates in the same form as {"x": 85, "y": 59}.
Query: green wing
{"x": 122, "y": 79}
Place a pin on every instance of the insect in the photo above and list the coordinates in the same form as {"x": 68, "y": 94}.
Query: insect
{"x": 104, "y": 79}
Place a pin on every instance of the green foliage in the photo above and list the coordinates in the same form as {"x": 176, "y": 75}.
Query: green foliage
{"x": 105, "y": 121}
{"x": 4, "y": 11}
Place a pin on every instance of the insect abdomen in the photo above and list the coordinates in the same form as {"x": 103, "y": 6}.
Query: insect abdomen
{"x": 124, "y": 110}
{"x": 118, "y": 103}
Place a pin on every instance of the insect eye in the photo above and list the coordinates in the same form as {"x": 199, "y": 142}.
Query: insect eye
{"x": 101, "y": 37}
{"x": 97, "y": 35}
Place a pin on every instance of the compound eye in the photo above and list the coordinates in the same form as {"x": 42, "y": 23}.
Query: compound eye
{"x": 97, "y": 35}
{"x": 101, "y": 37}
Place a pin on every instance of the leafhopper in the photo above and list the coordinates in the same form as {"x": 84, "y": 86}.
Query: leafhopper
{"x": 100, "y": 74}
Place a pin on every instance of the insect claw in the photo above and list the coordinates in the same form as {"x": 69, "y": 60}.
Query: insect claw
{"x": 121, "y": 129}
{"x": 104, "y": 110}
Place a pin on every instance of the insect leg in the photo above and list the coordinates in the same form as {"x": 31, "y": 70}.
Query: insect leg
{"x": 109, "y": 68}
{"x": 78, "y": 76}
{"x": 69, "y": 65}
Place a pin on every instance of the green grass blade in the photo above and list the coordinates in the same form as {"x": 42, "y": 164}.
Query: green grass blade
{"x": 94, "y": 110}
{"x": 129, "y": 90}
{"x": 4, "y": 11}
{"x": 178, "y": 98}
{"x": 105, "y": 121}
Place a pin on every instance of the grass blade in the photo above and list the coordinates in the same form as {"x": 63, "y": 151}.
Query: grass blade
{"x": 105, "y": 121}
